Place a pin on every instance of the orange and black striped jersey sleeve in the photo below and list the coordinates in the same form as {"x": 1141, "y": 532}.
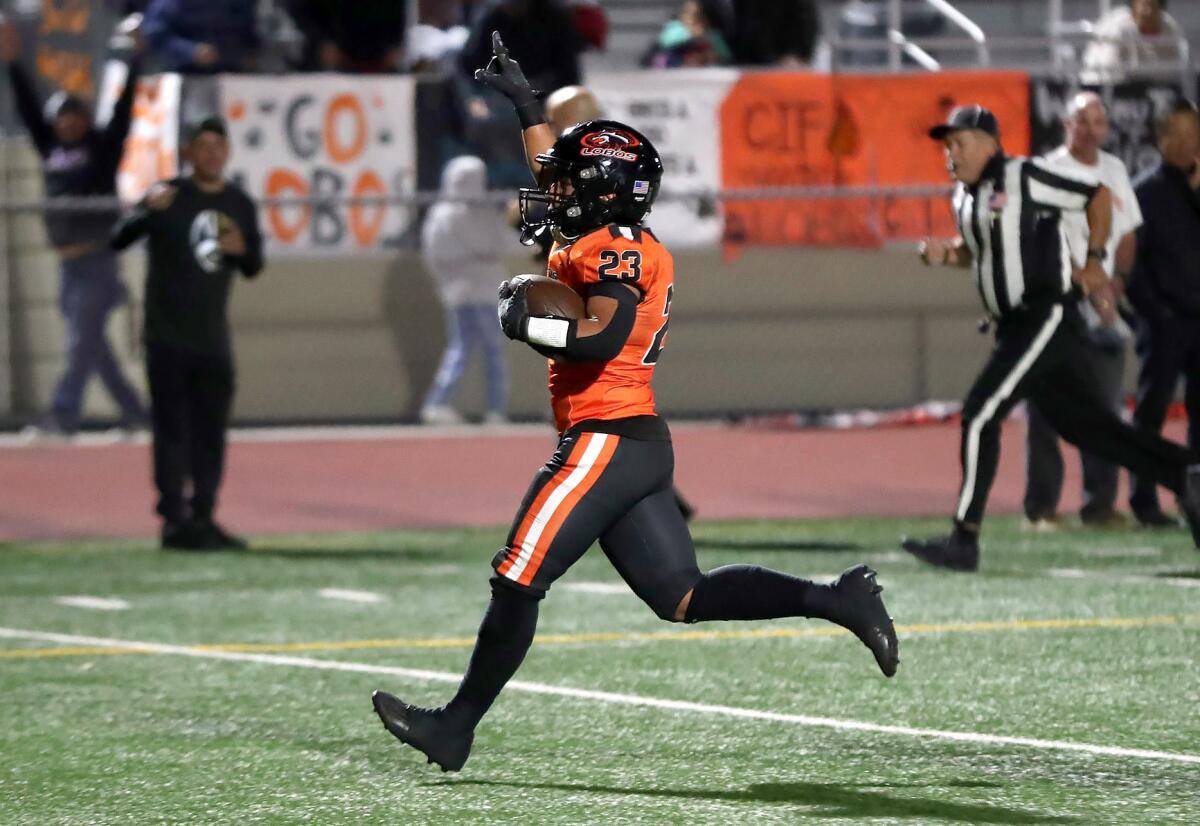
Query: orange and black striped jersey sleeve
{"x": 618, "y": 388}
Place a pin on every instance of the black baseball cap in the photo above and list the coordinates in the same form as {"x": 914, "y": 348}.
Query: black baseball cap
{"x": 211, "y": 123}
{"x": 967, "y": 117}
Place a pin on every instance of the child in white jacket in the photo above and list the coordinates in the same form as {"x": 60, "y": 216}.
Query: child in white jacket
{"x": 463, "y": 245}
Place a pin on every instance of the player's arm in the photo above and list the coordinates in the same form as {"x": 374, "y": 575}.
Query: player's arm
{"x": 611, "y": 311}
{"x": 938, "y": 253}
{"x": 505, "y": 76}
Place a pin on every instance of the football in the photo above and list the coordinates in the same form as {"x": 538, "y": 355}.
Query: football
{"x": 550, "y": 297}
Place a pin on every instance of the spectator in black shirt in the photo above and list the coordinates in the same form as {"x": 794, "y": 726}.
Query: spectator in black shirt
{"x": 1165, "y": 289}
{"x": 80, "y": 159}
{"x": 201, "y": 230}
{"x": 362, "y": 37}
{"x": 539, "y": 33}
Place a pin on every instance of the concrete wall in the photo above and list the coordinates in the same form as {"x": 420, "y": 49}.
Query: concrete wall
{"x": 359, "y": 339}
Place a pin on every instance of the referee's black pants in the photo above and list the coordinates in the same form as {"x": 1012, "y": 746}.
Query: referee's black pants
{"x": 191, "y": 395}
{"x": 1040, "y": 354}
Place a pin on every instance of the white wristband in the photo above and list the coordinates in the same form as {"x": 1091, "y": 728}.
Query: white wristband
{"x": 548, "y": 332}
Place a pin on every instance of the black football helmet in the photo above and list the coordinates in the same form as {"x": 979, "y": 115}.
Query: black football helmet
{"x": 598, "y": 172}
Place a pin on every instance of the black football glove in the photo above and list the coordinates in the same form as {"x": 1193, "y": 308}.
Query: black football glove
{"x": 513, "y": 309}
{"x": 505, "y": 76}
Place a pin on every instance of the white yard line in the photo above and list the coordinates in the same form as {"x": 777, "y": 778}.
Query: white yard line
{"x": 96, "y": 603}
{"x": 1135, "y": 579}
{"x": 348, "y": 595}
{"x": 613, "y": 698}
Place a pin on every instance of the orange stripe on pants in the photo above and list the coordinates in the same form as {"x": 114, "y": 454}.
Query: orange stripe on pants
{"x": 564, "y": 510}
{"x": 539, "y": 502}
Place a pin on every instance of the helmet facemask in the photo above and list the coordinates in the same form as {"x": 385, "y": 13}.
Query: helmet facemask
{"x": 557, "y": 204}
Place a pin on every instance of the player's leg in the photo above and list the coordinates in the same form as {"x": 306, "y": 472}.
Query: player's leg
{"x": 652, "y": 551}
{"x": 570, "y": 503}
{"x": 1026, "y": 346}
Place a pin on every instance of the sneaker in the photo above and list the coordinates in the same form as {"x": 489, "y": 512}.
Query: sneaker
{"x": 956, "y": 551}
{"x": 440, "y": 414}
{"x": 48, "y": 429}
{"x": 1105, "y": 520}
{"x": 864, "y": 614}
{"x": 1042, "y": 524}
{"x": 426, "y": 730}
{"x": 213, "y": 537}
{"x": 1189, "y": 502}
{"x": 179, "y": 536}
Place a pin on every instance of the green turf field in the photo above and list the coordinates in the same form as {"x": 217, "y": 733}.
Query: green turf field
{"x": 260, "y": 720}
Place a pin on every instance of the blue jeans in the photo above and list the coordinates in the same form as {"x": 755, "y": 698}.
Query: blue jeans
{"x": 89, "y": 290}
{"x": 467, "y": 327}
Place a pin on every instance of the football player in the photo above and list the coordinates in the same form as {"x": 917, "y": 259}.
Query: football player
{"x": 610, "y": 479}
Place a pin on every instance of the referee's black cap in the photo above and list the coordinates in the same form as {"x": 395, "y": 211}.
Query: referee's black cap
{"x": 967, "y": 117}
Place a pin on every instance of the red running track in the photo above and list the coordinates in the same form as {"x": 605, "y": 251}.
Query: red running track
{"x": 360, "y": 480}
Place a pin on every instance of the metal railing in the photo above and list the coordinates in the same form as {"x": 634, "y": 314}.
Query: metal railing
{"x": 1057, "y": 52}
{"x": 105, "y": 203}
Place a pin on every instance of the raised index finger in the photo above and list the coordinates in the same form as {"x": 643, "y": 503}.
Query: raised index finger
{"x": 498, "y": 47}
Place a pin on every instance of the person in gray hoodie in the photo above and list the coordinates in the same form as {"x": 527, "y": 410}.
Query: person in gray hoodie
{"x": 463, "y": 243}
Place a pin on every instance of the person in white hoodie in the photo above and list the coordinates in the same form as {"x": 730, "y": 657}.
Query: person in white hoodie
{"x": 463, "y": 243}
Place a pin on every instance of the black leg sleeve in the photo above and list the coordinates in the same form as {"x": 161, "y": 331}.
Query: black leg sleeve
{"x": 748, "y": 592}
{"x": 504, "y": 637}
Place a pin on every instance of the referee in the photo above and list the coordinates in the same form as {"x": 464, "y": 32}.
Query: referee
{"x": 1008, "y": 211}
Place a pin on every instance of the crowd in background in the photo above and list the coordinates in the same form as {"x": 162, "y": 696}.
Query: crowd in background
{"x": 453, "y": 37}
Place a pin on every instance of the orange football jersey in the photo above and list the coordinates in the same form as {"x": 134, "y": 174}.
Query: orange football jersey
{"x": 618, "y": 388}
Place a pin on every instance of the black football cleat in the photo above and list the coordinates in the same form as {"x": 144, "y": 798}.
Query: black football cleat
{"x": 864, "y": 614}
{"x": 956, "y": 551}
{"x": 1189, "y": 501}
{"x": 426, "y": 730}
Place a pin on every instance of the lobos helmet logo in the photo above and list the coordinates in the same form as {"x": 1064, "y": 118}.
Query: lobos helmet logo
{"x": 610, "y": 143}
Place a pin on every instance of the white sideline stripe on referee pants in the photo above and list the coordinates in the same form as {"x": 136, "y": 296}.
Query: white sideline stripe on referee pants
{"x": 595, "y": 446}
{"x": 988, "y": 411}
{"x": 613, "y": 698}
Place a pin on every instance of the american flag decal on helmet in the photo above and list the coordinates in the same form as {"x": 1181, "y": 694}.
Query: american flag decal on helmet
{"x": 641, "y": 187}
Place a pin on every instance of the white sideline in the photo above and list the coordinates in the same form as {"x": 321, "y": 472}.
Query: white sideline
{"x": 96, "y": 603}
{"x": 609, "y": 697}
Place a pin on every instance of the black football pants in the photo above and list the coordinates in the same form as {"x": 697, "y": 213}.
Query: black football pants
{"x": 615, "y": 489}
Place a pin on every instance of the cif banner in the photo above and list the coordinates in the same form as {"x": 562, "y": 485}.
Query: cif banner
{"x": 1133, "y": 106}
{"x": 324, "y": 136}
{"x": 677, "y": 109}
{"x": 812, "y": 130}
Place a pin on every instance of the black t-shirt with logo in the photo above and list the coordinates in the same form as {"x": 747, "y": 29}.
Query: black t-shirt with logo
{"x": 188, "y": 278}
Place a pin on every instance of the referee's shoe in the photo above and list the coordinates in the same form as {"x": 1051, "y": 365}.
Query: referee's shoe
{"x": 957, "y": 551}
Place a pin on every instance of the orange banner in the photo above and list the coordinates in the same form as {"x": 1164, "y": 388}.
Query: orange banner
{"x": 793, "y": 129}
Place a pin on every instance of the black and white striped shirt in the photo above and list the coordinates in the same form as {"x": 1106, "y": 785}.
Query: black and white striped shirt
{"x": 1009, "y": 221}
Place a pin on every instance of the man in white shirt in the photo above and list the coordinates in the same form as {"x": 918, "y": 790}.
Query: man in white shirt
{"x": 1086, "y": 125}
{"x": 1139, "y": 35}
